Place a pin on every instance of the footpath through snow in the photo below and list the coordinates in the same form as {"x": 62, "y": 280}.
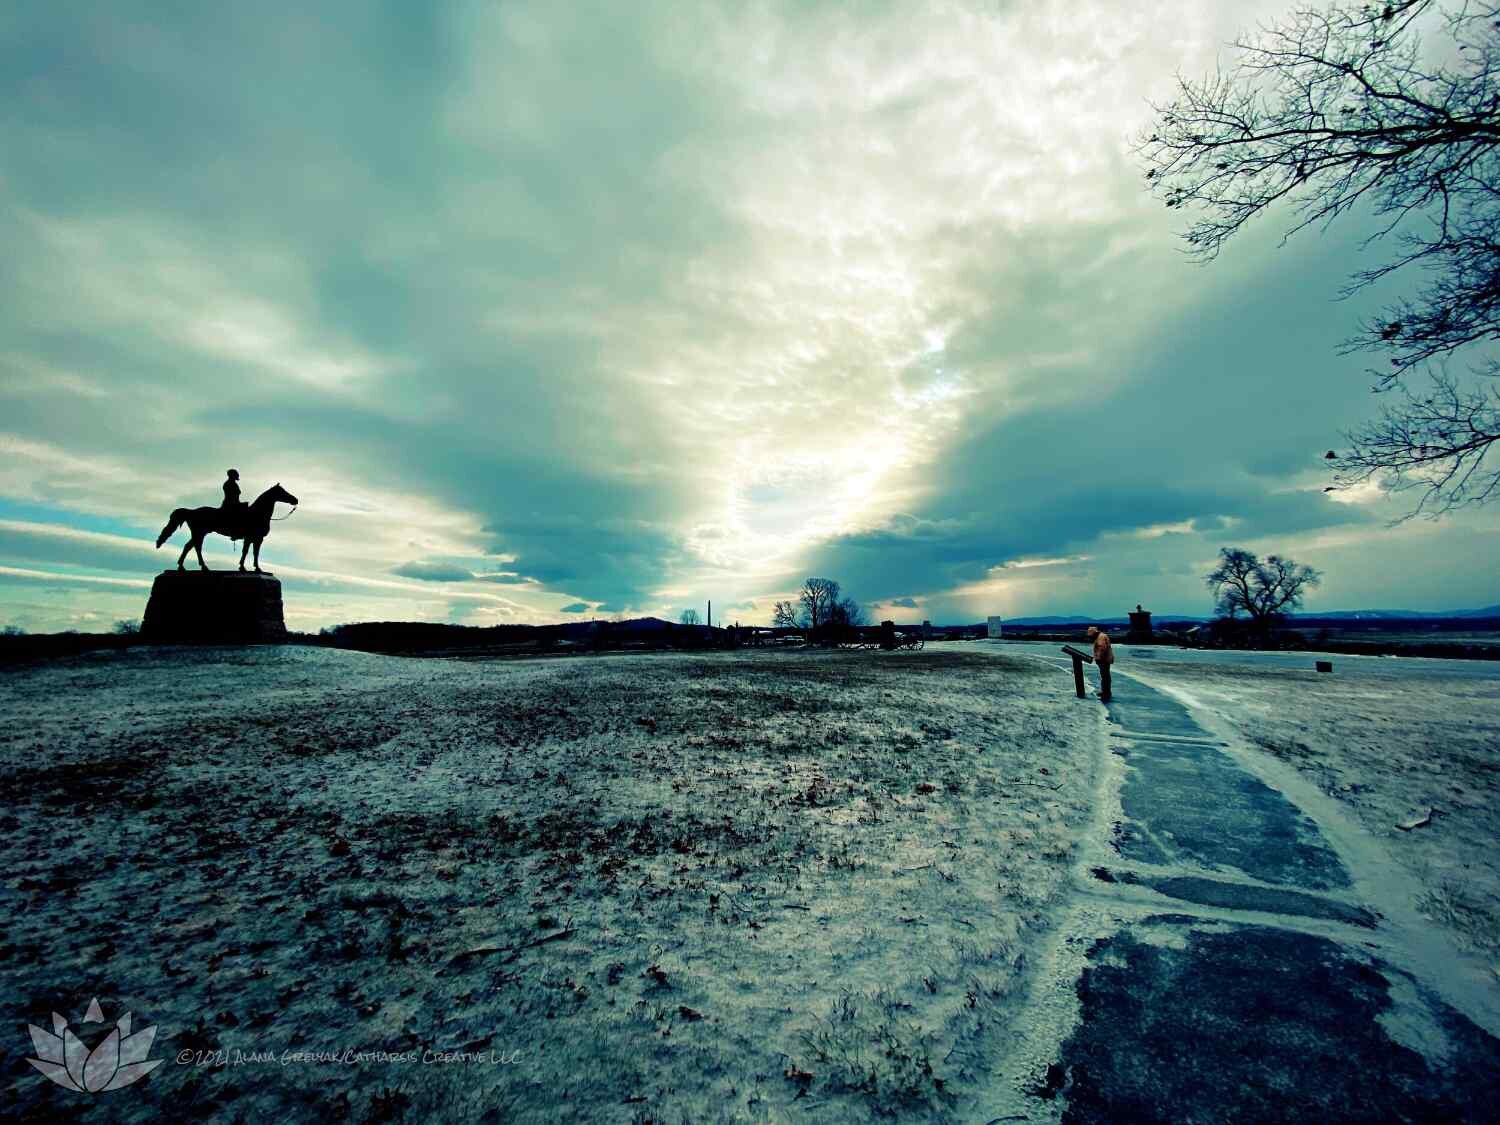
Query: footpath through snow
{"x": 1235, "y": 951}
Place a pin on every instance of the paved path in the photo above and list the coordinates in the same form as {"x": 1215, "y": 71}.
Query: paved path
{"x": 1219, "y": 964}
{"x": 1396, "y": 668}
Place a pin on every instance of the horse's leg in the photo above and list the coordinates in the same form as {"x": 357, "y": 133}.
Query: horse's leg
{"x": 243, "y": 552}
{"x": 198, "y": 546}
{"x": 257, "y": 557}
{"x": 186, "y": 547}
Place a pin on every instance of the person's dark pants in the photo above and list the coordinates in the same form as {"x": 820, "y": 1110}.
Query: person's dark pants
{"x": 1104, "y": 692}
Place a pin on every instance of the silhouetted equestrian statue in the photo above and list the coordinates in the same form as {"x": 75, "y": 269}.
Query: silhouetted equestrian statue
{"x": 233, "y": 518}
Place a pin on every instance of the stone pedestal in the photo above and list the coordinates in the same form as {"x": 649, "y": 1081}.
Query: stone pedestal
{"x": 214, "y": 607}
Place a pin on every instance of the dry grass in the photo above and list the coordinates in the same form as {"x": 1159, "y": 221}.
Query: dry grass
{"x": 737, "y": 886}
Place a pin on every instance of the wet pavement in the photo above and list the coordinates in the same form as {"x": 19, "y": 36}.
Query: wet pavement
{"x": 1222, "y": 967}
{"x": 1182, "y": 1022}
{"x": 1190, "y": 804}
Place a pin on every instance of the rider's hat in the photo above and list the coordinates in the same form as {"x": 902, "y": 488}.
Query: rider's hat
{"x": 235, "y": 473}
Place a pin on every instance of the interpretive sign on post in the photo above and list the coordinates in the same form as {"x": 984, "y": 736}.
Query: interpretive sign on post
{"x": 1078, "y": 661}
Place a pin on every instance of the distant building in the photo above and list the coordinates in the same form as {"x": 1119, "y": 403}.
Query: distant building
{"x": 993, "y": 631}
{"x": 1140, "y": 625}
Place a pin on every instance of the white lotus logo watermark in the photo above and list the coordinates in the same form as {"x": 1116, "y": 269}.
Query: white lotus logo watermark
{"x": 118, "y": 1060}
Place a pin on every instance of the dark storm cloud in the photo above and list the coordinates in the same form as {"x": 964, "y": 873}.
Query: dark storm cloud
{"x": 1212, "y": 425}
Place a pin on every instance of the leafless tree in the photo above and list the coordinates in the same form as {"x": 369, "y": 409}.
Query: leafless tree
{"x": 784, "y": 615}
{"x": 818, "y": 596}
{"x": 1263, "y": 591}
{"x": 689, "y": 617}
{"x": 847, "y": 612}
{"x": 1343, "y": 108}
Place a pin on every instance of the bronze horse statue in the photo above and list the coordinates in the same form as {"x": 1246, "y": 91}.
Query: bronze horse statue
{"x": 251, "y": 525}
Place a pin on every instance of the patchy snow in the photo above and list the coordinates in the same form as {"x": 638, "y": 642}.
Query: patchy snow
{"x": 687, "y": 887}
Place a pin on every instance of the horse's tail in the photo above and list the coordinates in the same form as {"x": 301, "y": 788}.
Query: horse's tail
{"x": 172, "y": 525}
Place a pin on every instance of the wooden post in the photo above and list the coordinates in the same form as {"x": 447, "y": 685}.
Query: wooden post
{"x": 1078, "y": 659}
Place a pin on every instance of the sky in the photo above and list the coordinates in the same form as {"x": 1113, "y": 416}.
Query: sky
{"x": 547, "y": 312}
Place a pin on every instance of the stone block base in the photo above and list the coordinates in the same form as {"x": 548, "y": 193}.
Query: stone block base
{"x": 214, "y": 607}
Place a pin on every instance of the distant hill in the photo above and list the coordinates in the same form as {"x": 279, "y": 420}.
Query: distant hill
{"x": 1487, "y": 611}
{"x": 1400, "y": 614}
{"x": 1381, "y": 615}
{"x": 440, "y": 637}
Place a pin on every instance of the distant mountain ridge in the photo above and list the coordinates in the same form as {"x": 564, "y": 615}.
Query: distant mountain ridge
{"x": 1486, "y": 611}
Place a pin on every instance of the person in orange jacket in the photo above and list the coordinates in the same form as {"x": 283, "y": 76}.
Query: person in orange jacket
{"x": 1104, "y": 656}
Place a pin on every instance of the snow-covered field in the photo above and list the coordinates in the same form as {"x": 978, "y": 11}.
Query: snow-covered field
{"x": 759, "y": 885}
{"x": 1390, "y": 739}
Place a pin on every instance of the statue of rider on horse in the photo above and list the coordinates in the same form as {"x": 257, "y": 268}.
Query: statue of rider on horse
{"x": 233, "y": 518}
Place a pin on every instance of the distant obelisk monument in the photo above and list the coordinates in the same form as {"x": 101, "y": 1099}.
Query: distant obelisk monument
{"x": 219, "y": 606}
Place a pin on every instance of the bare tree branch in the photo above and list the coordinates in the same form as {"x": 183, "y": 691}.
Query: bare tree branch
{"x": 1433, "y": 444}
{"x": 784, "y": 615}
{"x": 1343, "y": 108}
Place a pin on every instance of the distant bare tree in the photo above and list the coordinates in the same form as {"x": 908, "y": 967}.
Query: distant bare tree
{"x": 1263, "y": 591}
{"x": 847, "y": 612}
{"x": 689, "y": 617}
{"x": 127, "y": 628}
{"x": 818, "y": 596}
{"x": 12, "y": 631}
{"x": 1340, "y": 108}
{"x": 784, "y": 615}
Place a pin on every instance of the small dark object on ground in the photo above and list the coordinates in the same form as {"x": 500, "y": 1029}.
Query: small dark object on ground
{"x": 512, "y": 951}
{"x": 1324, "y": 665}
{"x": 1417, "y": 822}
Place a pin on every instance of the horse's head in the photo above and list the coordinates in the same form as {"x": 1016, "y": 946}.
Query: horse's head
{"x": 275, "y": 495}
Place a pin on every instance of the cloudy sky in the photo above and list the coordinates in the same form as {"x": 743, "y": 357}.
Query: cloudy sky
{"x": 547, "y": 310}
